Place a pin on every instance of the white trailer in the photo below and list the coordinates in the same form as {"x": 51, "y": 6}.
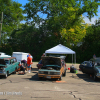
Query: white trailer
{"x": 20, "y": 56}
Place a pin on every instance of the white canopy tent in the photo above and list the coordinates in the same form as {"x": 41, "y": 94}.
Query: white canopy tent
{"x": 60, "y": 49}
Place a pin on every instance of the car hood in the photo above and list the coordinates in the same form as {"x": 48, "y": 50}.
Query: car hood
{"x": 51, "y": 61}
{"x": 2, "y": 62}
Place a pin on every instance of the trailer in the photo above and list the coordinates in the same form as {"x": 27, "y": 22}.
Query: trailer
{"x": 20, "y": 56}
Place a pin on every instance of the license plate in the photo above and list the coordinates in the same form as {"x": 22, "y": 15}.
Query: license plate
{"x": 49, "y": 77}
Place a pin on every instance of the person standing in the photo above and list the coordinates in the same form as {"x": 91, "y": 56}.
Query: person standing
{"x": 29, "y": 62}
{"x": 94, "y": 56}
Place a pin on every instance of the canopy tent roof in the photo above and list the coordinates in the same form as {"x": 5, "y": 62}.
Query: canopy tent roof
{"x": 60, "y": 49}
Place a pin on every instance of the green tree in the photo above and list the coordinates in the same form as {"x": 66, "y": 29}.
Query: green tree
{"x": 12, "y": 15}
{"x": 90, "y": 44}
{"x": 63, "y": 16}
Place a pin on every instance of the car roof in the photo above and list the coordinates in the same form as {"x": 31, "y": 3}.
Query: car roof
{"x": 7, "y": 58}
{"x": 97, "y": 59}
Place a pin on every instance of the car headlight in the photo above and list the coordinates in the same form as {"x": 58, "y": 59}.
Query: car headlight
{"x": 3, "y": 70}
{"x": 41, "y": 72}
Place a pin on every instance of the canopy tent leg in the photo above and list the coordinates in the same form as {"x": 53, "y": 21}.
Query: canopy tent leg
{"x": 72, "y": 59}
{"x": 75, "y": 59}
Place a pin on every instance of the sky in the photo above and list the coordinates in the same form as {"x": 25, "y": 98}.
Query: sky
{"x": 23, "y": 2}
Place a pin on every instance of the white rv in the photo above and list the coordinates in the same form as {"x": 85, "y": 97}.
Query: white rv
{"x": 4, "y": 55}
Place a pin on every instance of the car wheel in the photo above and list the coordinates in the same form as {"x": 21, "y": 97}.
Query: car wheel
{"x": 95, "y": 78}
{"x": 6, "y": 75}
{"x": 60, "y": 77}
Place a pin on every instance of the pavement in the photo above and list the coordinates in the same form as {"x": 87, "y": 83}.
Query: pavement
{"x": 29, "y": 87}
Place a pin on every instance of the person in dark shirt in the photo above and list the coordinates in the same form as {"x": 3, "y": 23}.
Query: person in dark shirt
{"x": 24, "y": 63}
{"x": 22, "y": 68}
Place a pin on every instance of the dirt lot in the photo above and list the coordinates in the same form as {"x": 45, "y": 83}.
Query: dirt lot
{"x": 28, "y": 87}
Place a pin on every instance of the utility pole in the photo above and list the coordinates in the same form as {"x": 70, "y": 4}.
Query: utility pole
{"x": 1, "y": 26}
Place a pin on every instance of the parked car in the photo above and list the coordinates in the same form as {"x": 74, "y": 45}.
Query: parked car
{"x": 91, "y": 67}
{"x": 86, "y": 67}
{"x": 53, "y": 67}
{"x": 96, "y": 61}
{"x": 8, "y": 65}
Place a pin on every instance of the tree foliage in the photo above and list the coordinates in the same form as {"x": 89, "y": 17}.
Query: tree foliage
{"x": 62, "y": 23}
{"x": 33, "y": 40}
{"x": 12, "y": 15}
{"x": 63, "y": 16}
{"x": 90, "y": 44}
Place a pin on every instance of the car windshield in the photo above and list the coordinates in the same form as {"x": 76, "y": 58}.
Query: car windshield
{"x": 7, "y": 61}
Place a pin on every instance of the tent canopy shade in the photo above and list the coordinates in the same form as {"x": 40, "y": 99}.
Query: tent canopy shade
{"x": 60, "y": 49}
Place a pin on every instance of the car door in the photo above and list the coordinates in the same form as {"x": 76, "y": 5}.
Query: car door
{"x": 13, "y": 65}
{"x": 9, "y": 67}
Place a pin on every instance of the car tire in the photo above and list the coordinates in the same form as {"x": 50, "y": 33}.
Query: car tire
{"x": 6, "y": 75}
{"x": 95, "y": 78}
{"x": 60, "y": 78}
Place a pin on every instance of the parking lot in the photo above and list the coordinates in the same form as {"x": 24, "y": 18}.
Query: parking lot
{"x": 28, "y": 87}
